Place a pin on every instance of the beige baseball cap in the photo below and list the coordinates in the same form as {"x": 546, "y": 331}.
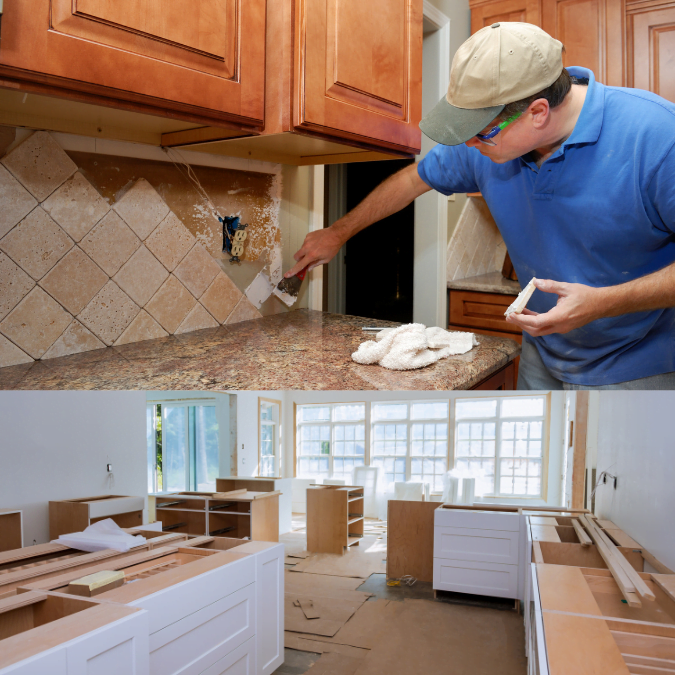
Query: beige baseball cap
{"x": 501, "y": 63}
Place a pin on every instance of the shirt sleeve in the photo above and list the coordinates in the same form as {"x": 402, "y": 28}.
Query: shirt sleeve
{"x": 661, "y": 191}
{"x": 449, "y": 168}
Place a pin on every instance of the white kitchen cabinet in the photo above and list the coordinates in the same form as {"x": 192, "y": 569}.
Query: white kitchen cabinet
{"x": 240, "y": 662}
{"x": 477, "y": 552}
{"x": 537, "y": 663}
{"x": 51, "y": 637}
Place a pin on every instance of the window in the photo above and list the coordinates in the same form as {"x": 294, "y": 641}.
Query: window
{"x": 269, "y": 459}
{"x": 330, "y": 440}
{"x": 501, "y": 443}
{"x": 182, "y": 443}
{"x": 410, "y": 441}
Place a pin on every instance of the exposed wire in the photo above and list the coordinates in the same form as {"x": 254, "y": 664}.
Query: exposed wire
{"x": 601, "y": 482}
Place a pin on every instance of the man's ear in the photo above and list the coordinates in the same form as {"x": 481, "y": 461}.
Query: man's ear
{"x": 540, "y": 111}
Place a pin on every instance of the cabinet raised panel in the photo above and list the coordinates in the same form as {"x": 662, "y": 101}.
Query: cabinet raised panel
{"x": 652, "y": 34}
{"x": 486, "y": 13}
{"x": 360, "y": 70}
{"x": 205, "y": 57}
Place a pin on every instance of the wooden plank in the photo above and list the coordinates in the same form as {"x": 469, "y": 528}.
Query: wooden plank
{"x": 656, "y": 564}
{"x": 21, "y": 600}
{"x": 584, "y": 539}
{"x": 644, "y": 645}
{"x": 7, "y": 557}
{"x": 410, "y": 539}
{"x": 625, "y": 584}
{"x": 640, "y": 586}
{"x": 544, "y": 533}
{"x": 579, "y": 460}
{"x": 565, "y": 589}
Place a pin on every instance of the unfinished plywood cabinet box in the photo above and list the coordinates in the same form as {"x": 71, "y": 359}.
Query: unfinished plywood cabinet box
{"x": 11, "y": 529}
{"x": 334, "y": 518}
{"x": 284, "y": 486}
{"x": 239, "y": 514}
{"x": 207, "y": 608}
{"x": 74, "y": 515}
{"x": 44, "y": 633}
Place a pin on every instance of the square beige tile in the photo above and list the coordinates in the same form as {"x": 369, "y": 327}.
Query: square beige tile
{"x": 15, "y": 284}
{"x": 141, "y": 276}
{"x": 15, "y": 201}
{"x": 76, "y": 206}
{"x": 36, "y": 244}
{"x": 171, "y": 304}
{"x": 74, "y": 280}
{"x": 142, "y": 208}
{"x": 143, "y": 327}
{"x": 197, "y": 270}
{"x": 74, "y": 340}
{"x": 221, "y": 297}
{"x": 110, "y": 244}
{"x": 244, "y": 311}
{"x": 40, "y": 164}
{"x": 35, "y": 323}
{"x": 109, "y": 313}
{"x": 11, "y": 355}
{"x": 197, "y": 319}
{"x": 170, "y": 241}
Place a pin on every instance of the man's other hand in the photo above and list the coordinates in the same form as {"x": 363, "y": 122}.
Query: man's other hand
{"x": 577, "y": 305}
{"x": 318, "y": 248}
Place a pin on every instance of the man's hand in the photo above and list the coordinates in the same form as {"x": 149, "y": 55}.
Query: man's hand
{"x": 577, "y": 305}
{"x": 318, "y": 248}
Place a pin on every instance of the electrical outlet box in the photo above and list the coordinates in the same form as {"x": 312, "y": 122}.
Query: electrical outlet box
{"x": 108, "y": 468}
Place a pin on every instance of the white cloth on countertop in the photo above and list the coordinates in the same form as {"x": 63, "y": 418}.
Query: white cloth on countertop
{"x": 100, "y": 536}
{"x": 413, "y": 346}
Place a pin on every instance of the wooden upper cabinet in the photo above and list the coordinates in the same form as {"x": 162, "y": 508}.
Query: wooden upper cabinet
{"x": 203, "y": 58}
{"x": 486, "y": 13}
{"x": 591, "y": 31}
{"x": 358, "y": 68}
{"x": 651, "y": 47}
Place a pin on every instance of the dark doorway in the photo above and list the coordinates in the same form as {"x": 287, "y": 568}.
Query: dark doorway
{"x": 379, "y": 260}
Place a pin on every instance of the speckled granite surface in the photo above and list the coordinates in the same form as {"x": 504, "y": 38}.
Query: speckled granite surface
{"x": 299, "y": 350}
{"x": 493, "y": 282}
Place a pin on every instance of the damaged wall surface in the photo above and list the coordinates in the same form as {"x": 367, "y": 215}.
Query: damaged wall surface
{"x": 99, "y": 250}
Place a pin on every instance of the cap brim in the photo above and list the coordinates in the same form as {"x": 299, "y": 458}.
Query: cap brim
{"x": 450, "y": 125}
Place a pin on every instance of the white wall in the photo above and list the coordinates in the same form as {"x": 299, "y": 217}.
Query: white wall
{"x": 635, "y": 443}
{"x": 55, "y": 445}
{"x": 226, "y": 435}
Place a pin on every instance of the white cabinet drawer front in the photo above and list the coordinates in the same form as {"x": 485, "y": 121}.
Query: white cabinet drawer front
{"x": 478, "y": 520}
{"x": 102, "y": 508}
{"x": 190, "y": 646}
{"x": 475, "y": 577}
{"x": 119, "y": 647}
{"x": 239, "y": 662}
{"x": 52, "y": 663}
{"x": 187, "y": 597}
{"x": 481, "y": 545}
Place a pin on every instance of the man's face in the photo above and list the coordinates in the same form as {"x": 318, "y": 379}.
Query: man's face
{"x": 515, "y": 140}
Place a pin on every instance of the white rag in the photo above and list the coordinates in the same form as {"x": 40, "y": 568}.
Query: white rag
{"x": 100, "y": 536}
{"x": 413, "y": 346}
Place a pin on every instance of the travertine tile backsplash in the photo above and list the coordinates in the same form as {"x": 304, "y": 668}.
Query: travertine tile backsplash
{"x": 77, "y": 273}
{"x": 476, "y": 247}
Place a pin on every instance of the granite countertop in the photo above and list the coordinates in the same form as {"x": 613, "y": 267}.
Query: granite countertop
{"x": 493, "y": 282}
{"x": 303, "y": 349}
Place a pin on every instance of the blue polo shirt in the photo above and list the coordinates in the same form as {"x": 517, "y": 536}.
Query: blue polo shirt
{"x": 600, "y": 211}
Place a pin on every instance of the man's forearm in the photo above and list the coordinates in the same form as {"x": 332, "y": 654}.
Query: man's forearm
{"x": 654, "y": 291}
{"x": 389, "y": 197}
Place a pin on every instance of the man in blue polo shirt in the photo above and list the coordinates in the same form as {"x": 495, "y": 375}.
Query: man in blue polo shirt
{"x": 579, "y": 179}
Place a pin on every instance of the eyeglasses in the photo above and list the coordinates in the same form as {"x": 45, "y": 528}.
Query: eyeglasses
{"x": 485, "y": 138}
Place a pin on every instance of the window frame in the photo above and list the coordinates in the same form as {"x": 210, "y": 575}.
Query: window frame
{"x": 332, "y": 424}
{"x": 190, "y": 464}
{"x": 278, "y": 450}
{"x": 546, "y": 438}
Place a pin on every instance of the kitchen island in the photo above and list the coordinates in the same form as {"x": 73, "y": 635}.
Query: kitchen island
{"x": 303, "y": 349}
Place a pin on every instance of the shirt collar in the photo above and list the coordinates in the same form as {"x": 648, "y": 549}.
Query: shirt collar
{"x": 588, "y": 126}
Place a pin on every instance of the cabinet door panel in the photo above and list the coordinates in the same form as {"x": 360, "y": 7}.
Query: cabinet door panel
{"x": 485, "y": 14}
{"x": 653, "y": 52}
{"x": 359, "y": 70}
{"x": 148, "y": 51}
